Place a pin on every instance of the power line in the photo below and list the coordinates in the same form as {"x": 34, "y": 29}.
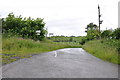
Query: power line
{"x": 108, "y": 21}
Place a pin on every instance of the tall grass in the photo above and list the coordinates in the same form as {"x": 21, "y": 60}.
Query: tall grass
{"x": 0, "y": 43}
{"x": 0, "y": 49}
{"x": 14, "y": 48}
{"x": 103, "y": 49}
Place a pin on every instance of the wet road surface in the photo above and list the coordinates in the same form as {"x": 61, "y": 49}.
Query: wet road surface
{"x": 62, "y": 63}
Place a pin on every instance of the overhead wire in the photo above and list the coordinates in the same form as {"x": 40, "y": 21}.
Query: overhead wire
{"x": 103, "y": 11}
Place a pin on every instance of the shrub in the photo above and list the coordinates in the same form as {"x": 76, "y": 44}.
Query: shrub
{"x": 116, "y": 33}
{"x": 106, "y": 34}
{"x": 118, "y": 47}
{"x": 24, "y": 27}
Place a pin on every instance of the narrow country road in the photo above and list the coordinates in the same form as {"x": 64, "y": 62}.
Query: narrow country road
{"x": 62, "y": 63}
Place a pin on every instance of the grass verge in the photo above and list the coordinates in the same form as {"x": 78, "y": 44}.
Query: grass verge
{"x": 106, "y": 50}
{"x": 15, "y": 48}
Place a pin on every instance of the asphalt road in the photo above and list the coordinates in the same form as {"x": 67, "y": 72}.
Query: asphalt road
{"x": 63, "y": 63}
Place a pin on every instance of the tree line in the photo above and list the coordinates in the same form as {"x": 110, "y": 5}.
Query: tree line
{"x": 24, "y": 27}
{"x": 93, "y": 33}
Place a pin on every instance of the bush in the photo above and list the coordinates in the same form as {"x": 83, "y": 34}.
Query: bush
{"x": 24, "y": 27}
{"x": 116, "y": 33}
{"x": 71, "y": 39}
{"x": 82, "y": 42}
{"x": 118, "y": 47}
{"x": 106, "y": 34}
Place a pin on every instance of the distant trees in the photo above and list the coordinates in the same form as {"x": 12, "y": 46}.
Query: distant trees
{"x": 93, "y": 33}
{"x": 61, "y": 39}
{"x": 24, "y": 27}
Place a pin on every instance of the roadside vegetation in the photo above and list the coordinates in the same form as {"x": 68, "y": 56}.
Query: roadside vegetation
{"x": 0, "y": 44}
{"x": 0, "y": 39}
{"x": 104, "y": 49}
{"x": 104, "y": 45}
{"x": 25, "y": 37}
{"x": 15, "y": 48}
{"x": 0, "y": 49}
{"x": 20, "y": 40}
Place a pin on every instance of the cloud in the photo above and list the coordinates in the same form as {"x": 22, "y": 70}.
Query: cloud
{"x": 67, "y": 27}
{"x": 65, "y": 17}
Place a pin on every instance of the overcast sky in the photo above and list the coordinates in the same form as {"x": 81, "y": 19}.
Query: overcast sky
{"x": 65, "y": 17}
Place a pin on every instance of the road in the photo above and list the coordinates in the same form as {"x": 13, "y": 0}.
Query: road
{"x": 62, "y": 63}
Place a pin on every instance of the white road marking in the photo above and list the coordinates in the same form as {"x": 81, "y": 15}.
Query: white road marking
{"x": 55, "y": 54}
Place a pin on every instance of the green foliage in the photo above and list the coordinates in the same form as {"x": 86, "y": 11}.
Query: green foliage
{"x": 92, "y": 31}
{"x": 71, "y": 39}
{"x": 105, "y": 49}
{"x": 84, "y": 40}
{"x": 116, "y": 33}
{"x": 66, "y": 39}
{"x": 113, "y": 43}
{"x": 106, "y": 34}
{"x": 15, "y": 48}
{"x": 24, "y": 27}
{"x": 60, "y": 38}
{"x": 91, "y": 26}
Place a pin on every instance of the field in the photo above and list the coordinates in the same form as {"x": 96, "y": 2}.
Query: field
{"x": 15, "y": 48}
{"x": 66, "y": 39}
{"x": 104, "y": 49}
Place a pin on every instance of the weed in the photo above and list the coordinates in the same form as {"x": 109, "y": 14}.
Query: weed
{"x": 15, "y": 48}
{"x": 103, "y": 49}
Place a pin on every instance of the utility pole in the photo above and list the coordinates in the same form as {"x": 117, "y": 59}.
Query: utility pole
{"x": 99, "y": 16}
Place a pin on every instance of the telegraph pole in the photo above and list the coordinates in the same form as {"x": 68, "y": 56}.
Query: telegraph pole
{"x": 99, "y": 16}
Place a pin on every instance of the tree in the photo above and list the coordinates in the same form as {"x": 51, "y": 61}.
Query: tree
{"x": 71, "y": 39}
{"x": 92, "y": 31}
{"x": 24, "y": 27}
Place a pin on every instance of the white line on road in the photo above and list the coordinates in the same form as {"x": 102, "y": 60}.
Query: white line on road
{"x": 55, "y": 53}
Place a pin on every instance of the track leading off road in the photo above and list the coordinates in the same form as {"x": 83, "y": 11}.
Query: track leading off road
{"x": 63, "y": 63}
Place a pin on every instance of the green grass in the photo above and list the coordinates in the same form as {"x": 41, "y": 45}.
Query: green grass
{"x": 104, "y": 49}
{"x": 0, "y": 48}
{"x": 66, "y": 39}
{"x": 15, "y": 48}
